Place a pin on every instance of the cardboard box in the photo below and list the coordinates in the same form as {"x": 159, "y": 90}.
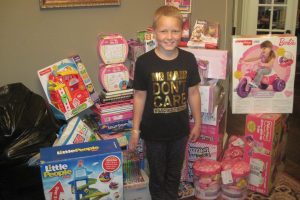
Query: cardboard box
{"x": 262, "y": 139}
{"x": 68, "y": 87}
{"x": 82, "y": 171}
{"x": 275, "y": 93}
{"x": 212, "y": 62}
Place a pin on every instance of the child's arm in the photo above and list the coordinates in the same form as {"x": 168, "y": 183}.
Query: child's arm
{"x": 268, "y": 64}
{"x": 139, "y": 100}
{"x": 195, "y": 104}
{"x": 249, "y": 60}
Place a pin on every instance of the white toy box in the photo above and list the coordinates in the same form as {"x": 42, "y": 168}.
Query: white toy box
{"x": 212, "y": 63}
{"x": 89, "y": 170}
{"x": 68, "y": 87}
{"x": 275, "y": 92}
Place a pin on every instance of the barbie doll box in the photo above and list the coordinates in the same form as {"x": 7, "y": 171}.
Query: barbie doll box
{"x": 68, "y": 87}
{"x": 263, "y": 133}
{"x": 263, "y": 73}
{"x": 91, "y": 170}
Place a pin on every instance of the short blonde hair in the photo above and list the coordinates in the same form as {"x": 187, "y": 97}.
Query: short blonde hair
{"x": 168, "y": 11}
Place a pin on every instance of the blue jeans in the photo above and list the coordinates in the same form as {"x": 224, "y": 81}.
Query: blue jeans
{"x": 165, "y": 160}
{"x": 260, "y": 73}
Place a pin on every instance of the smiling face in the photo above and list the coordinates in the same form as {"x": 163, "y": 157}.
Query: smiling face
{"x": 167, "y": 33}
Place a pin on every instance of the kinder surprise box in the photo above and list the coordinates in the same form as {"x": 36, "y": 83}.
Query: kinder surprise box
{"x": 275, "y": 92}
{"x": 112, "y": 48}
{"x": 89, "y": 170}
{"x": 68, "y": 87}
{"x": 262, "y": 140}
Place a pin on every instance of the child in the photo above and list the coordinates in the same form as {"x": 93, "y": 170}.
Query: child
{"x": 265, "y": 62}
{"x": 165, "y": 79}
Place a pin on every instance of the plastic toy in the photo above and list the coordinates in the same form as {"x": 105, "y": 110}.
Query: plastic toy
{"x": 243, "y": 87}
{"x": 66, "y": 89}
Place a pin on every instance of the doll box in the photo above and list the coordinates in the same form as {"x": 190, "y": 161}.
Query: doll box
{"x": 82, "y": 171}
{"x": 212, "y": 63}
{"x": 68, "y": 87}
{"x": 112, "y": 48}
{"x": 275, "y": 92}
{"x": 262, "y": 140}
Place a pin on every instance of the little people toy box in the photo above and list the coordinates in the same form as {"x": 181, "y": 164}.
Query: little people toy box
{"x": 91, "y": 170}
{"x": 263, "y": 73}
{"x": 68, "y": 87}
{"x": 262, "y": 139}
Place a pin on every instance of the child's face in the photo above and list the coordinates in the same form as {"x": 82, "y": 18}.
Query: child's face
{"x": 168, "y": 33}
{"x": 266, "y": 50}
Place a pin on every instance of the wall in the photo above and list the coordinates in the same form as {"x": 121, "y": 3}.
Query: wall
{"x": 31, "y": 38}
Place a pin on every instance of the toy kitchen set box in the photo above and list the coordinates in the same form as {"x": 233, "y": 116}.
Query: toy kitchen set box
{"x": 263, "y": 73}
{"x": 91, "y": 170}
{"x": 68, "y": 87}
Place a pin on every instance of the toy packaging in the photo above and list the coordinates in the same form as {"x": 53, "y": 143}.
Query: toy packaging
{"x": 112, "y": 48}
{"x": 212, "y": 63}
{"x": 91, "y": 170}
{"x": 263, "y": 73}
{"x": 68, "y": 87}
{"x": 113, "y": 77}
{"x": 76, "y": 131}
{"x": 186, "y": 189}
{"x": 262, "y": 136}
{"x": 185, "y": 6}
{"x": 204, "y": 35}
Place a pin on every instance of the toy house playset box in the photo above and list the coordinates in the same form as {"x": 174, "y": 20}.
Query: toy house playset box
{"x": 68, "y": 87}
{"x": 91, "y": 170}
{"x": 263, "y": 73}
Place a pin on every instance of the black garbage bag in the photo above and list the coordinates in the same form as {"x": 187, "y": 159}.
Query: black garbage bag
{"x": 26, "y": 125}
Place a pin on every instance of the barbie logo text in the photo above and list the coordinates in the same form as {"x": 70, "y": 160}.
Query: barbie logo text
{"x": 289, "y": 42}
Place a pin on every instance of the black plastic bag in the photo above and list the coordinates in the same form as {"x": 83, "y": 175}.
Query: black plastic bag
{"x": 26, "y": 125}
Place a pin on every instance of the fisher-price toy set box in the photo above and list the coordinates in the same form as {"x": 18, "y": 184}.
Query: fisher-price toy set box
{"x": 263, "y": 133}
{"x": 91, "y": 170}
{"x": 68, "y": 87}
{"x": 275, "y": 57}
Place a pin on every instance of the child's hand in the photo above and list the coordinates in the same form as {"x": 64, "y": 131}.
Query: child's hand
{"x": 195, "y": 133}
{"x": 134, "y": 140}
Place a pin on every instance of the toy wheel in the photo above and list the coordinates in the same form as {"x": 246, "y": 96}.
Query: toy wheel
{"x": 263, "y": 86}
{"x": 278, "y": 85}
{"x": 242, "y": 89}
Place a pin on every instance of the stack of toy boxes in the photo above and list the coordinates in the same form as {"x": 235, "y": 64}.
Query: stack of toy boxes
{"x": 265, "y": 134}
{"x": 68, "y": 87}
{"x": 89, "y": 170}
{"x": 115, "y": 106}
{"x": 212, "y": 69}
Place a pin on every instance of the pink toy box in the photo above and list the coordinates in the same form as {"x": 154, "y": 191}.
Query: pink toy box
{"x": 275, "y": 91}
{"x": 68, "y": 87}
{"x": 91, "y": 170}
{"x": 262, "y": 136}
{"x": 212, "y": 63}
{"x": 112, "y": 48}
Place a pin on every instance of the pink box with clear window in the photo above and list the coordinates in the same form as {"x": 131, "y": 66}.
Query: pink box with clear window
{"x": 262, "y": 136}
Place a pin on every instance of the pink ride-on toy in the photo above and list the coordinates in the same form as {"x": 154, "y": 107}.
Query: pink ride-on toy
{"x": 243, "y": 88}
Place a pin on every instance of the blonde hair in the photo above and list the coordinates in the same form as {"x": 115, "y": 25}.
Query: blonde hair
{"x": 167, "y": 11}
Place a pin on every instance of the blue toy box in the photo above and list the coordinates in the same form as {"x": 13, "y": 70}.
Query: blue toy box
{"x": 84, "y": 171}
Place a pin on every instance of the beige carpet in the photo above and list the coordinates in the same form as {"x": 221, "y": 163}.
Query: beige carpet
{"x": 285, "y": 188}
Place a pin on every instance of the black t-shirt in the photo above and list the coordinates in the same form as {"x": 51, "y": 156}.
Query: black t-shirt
{"x": 165, "y": 115}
